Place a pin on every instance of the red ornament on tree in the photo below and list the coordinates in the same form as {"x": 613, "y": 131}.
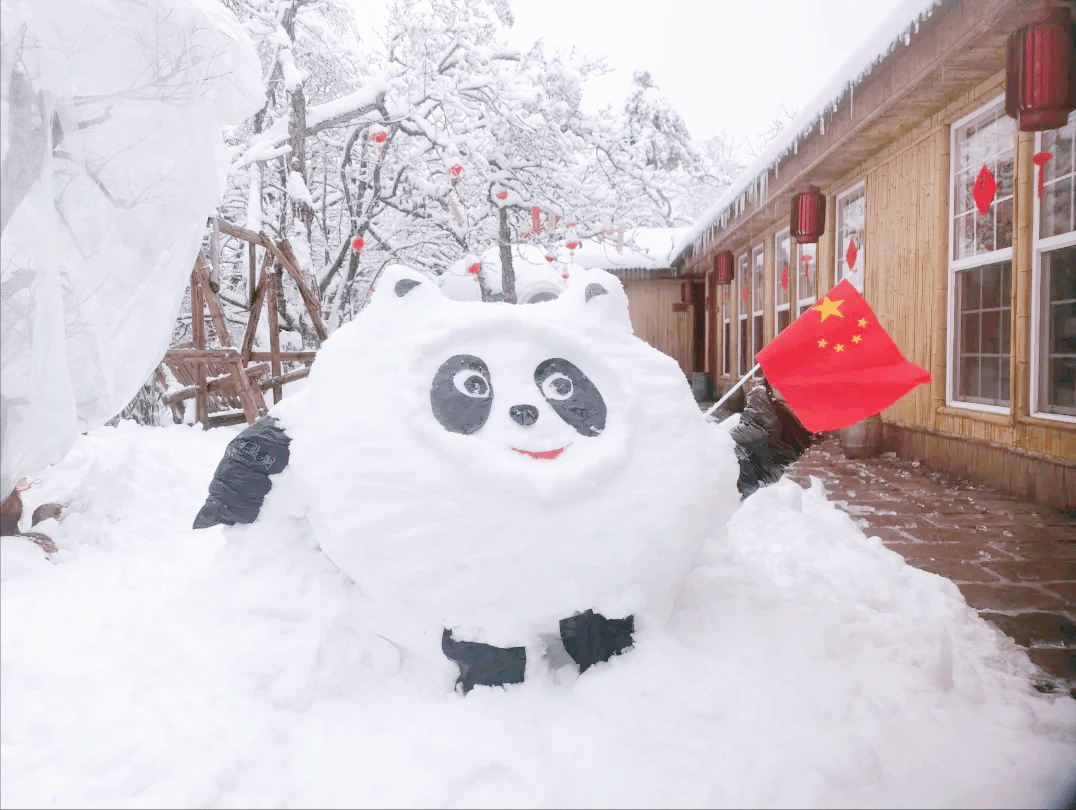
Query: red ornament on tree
{"x": 986, "y": 187}
{"x": 357, "y": 243}
{"x": 379, "y": 136}
{"x": 502, "y": 194}
{"x": 1041, "y": 159}
{"x": 455, "y": 170}
{"x": 549, "y": 257}
{"x": 474, "y": 268}
{"x": 536, "y": 218}
{"x": 572, "y": 245}
{"x": 784, "y": 277}
{"x": 564, "y": 276}
{"x": 851, "y": 254}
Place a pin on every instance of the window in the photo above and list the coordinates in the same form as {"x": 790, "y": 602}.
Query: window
{"x": 980, "y": 259}
{"x": 807, "y": 283}
{"x": 1053, "y": 365}
{"x": 726, "y": 317}
{"x": 758, "y": 298}
{"x": 743, "y": 280}
{"x": 784, "y": 278}
{"x": 851, "y": 220}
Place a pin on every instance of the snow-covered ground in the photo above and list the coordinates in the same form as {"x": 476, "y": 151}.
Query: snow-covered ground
{"x": 148, "y": 664}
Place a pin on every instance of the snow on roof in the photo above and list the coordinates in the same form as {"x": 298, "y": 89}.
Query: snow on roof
{"x": 896, "y": 30}
{"x": 644, "y": 249}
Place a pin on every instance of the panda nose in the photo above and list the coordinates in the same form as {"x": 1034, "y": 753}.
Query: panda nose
{"x": 524, "y": 414}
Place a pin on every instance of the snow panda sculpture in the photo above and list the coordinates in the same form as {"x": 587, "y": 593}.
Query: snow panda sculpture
{"x": 494, "y": 477}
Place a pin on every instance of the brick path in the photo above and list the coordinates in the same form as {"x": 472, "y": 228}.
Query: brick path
{"x": 1015, "y": 562}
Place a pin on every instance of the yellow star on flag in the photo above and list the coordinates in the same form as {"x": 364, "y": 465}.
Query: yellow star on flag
{"x": 856, "y": 338}
{"x": 838, "y": 348}
{"x": 827, "y": 308}
{"x": 822, "y": 343}
{"x": 862, "y": 322}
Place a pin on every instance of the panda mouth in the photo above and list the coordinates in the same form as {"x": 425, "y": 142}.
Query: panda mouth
{"x": 545, "y": 454}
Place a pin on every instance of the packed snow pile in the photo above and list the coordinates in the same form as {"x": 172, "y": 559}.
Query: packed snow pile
{"x": 779, "y": 657}
{"x": 111, "y": 116}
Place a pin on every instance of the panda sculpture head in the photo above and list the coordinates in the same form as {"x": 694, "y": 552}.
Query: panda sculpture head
{"x": 490, "y": 468}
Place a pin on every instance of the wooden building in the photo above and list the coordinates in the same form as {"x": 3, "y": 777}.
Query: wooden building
{"x": 957, "y": 227}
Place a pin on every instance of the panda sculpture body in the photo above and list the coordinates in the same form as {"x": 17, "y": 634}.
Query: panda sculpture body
{"x": 487, "y": 470}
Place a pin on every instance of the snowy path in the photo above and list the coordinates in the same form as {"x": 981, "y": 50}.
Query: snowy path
{"x": 151, "y": 665}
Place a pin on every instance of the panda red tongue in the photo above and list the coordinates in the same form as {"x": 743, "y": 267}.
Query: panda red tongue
{"x": 550, "y": 454}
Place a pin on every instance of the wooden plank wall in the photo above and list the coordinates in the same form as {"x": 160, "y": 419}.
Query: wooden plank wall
{"x": 650, "y": 306}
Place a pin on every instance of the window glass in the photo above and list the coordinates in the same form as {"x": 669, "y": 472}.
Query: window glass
{"x": 808, "y": 276}
{"x": 851, "y": 220}
{"x": 1056, "y": 214}
{"x": 726, "y": 335}
{"x": 784, "y": 279}
{"x": 743, "y": 281}
{"x": 984, "y": 307}
{"x": 983, "y": 173}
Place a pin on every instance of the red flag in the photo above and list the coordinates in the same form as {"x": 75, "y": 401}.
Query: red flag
{"x": 835, "y": 364}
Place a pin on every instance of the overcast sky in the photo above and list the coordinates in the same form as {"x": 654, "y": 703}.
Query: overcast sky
{"x": 724, "y": 64}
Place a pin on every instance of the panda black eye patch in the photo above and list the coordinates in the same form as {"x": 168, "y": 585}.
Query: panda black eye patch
{"x": 572, "y": 395}
{"x": 461, "y": 395}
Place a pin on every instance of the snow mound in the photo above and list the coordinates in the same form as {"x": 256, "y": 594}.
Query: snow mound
{"x": 804, "y": 665}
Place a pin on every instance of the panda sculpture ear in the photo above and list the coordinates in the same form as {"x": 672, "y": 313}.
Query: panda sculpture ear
{"x": 398, "y": 281}
{"x": 604, "y": 301}
{"x": 404, "y": 286}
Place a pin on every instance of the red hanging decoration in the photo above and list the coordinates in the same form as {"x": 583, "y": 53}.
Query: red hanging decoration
{"x": 549, "y": 257}
{"x": 851, "y": 254}
{"x": 572, "y": 245}
{"x": 564, "y": 276}
{"x": 807, "y": 219}
{"x": 502, "y": 194}
{"x": 379, "y": 136}
{"x": 474, "y": 268}
{"x": 1041, "y": 159}
{"x": 745, "y": 292}
{"x": 536, "y": 219}
{"x": 1040, "y": 74}
{"x": 571, "y": 224}
{"x": 784, "y": 277}
{"x": 455, "y": 170}
{"x": 806, "y": 266}
{"x": 357, "y": 243}
{"x": 723, "y": 267}
{"x": 984, "y": 190}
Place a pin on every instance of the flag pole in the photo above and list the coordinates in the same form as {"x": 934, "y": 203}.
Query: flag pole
{"x": 730, "y": 392}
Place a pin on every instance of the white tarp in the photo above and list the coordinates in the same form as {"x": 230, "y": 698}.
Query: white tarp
{"x": 111, "y": 114}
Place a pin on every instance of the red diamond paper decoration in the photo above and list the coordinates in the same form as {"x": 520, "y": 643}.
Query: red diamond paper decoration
{"x": 985, "y": 189}
{"x": 784, "y": 278}
{"x": 851, "y": 254}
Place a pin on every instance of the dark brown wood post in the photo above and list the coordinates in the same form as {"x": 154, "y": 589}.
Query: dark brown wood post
{"x": 274, "y": 334}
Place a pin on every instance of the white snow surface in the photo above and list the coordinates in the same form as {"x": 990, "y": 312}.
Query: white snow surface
{"x": 534, "y": 275}
{"x": 801, "y": 663}
{"x": 644, "y": 249}
{"x": 894, "y": 32}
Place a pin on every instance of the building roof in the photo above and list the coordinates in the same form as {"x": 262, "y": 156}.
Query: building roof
{"x": 893, "y": 34}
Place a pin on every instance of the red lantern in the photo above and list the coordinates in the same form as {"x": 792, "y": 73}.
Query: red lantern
{"x": 564, "y": 276}
{"x": 808, "y": 216}
{"x": 502, "y": 194}
{"x": 474, "y": 268}
{"x": 1040, "y": 76}
{"x": 357, "y": 243}
{"x": 455, "y": 170}
{"x": 723, "y": 267}
{"x": 572, "y": 245}
{"x": 549, "y": 257}
{"x": 379, "y": 136}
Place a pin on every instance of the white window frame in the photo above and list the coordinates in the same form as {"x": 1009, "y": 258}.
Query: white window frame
{"x": 726, "y": 329}
{"x": 955, "y": 266}
{"x": 839, "y": 249}
{"x": 743, "y": 275}
{"x": 801, "y": 301}
{"x": 1038, "y": 247}
{"x": 786, "y": 307}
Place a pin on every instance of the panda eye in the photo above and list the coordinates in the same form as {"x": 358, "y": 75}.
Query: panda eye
{"x": 470, "y": 383}
{"x": 557, "y": 386}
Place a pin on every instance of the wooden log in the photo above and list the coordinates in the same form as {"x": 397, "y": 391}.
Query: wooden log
{"x": 215, "y": 385}
{"x": 252, "y": 260}
{"x": 284, "y": 379}
{"x": 274, "y": 332}
{"x": 201, "y": 401}
{"x": 177, "y": 410}
{"x": 286, "y": 257}
{"x": 225, "y": 419}
{"x": 306, "y": 356}
{"x": 201, "y": 276}
{"x": 200, "y": 355}
{"x": 242, "y": 387}
{"x": 256, "y": 307}
{"x": 242, "y": 233}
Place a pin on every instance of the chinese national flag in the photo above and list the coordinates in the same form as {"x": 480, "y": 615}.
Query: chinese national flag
{"x": 835, "y": 365}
